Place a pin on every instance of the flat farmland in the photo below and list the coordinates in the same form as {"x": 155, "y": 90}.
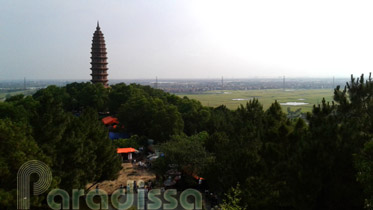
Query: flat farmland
{"x": 304, "y": 98}
{"x": 3, "y": 94}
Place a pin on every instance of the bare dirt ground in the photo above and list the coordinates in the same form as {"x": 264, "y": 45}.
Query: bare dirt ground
{"x": 127, "y": 173}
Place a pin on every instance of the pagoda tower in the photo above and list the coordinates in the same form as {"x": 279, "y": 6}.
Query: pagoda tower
{"x": 99, "y": 59}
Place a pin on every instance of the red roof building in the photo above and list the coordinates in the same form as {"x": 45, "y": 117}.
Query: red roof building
{"x": 110, "y": 120}
{"x": 126, "y": 150}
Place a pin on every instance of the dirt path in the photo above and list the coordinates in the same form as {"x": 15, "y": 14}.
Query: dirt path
{"x": 128, "y": 172}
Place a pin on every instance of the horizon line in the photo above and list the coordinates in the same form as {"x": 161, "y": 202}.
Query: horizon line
{"x": 170, "y": 78}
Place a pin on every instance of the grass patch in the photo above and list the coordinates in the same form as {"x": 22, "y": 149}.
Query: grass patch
{"x": 4, "y": 94}
{"x": 233, "y": 98}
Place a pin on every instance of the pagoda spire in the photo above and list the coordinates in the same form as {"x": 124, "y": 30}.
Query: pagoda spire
{"x": 99, "y": 58}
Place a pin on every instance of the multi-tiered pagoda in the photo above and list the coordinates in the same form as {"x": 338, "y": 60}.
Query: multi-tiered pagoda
{"x": 99, "y": 59}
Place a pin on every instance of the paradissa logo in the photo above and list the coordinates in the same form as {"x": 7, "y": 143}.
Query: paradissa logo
{"x": 119, "y": 198}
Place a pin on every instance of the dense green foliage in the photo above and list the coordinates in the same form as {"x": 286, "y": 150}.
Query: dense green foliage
{"x": 77, "y": 149}
{"x": 134, "y": 142}
{"x": 233, "y": 200}
{"x": 283, "y": 162}
{"x": 254, "y": 158}
{"x": 187, "y": 153}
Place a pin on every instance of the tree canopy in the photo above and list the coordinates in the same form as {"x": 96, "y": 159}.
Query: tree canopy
{"x": 253, "y": 158}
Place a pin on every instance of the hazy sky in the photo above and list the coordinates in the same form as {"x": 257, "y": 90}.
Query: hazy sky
{"x": 45, "y": 39}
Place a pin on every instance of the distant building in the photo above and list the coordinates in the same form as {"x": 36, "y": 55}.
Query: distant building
{"x": 99, "y": 59}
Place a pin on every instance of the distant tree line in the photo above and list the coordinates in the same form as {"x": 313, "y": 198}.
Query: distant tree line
{"x": 254, "y": 158}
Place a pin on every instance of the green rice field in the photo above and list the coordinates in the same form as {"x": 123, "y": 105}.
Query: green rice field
{"x": 303, "y": 99}
{"x": 3, "y": 94}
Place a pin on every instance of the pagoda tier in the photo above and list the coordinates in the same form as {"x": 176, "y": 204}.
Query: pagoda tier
{"x": 98, "y": 58}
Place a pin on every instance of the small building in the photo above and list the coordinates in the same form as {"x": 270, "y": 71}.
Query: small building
{"x": 109, "y": 121}
{"x": 126, "y": 153}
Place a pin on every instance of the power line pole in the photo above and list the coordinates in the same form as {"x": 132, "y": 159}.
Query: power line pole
{"x": 283, "y": 83}
{"x": 222, "y": 82}
{"x": 156, "y": 82}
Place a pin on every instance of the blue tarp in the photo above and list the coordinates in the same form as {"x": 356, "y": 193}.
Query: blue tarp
{"x": 113, "y": 135}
